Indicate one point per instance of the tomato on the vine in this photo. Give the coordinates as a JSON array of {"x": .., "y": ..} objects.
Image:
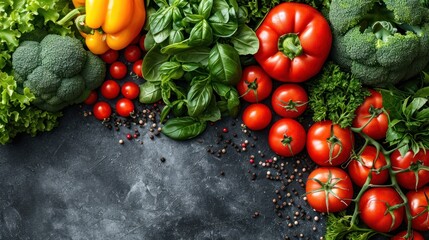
[
  {"x": 418, "y": 201},
  {"x": 92, "y": 98},
  {"x": 380, "y": 209},
  {"x": 124, "y": 107},
  {"x": 372, "y": 110},
  {"x": 256, "y": 116},
  {"x": 102, "y": 110},
  {"x": 137, "y": 67},
  {"x": 329, "y": 189},
  {"x": 286, "y": 137},
  {"x": 110, "y": 56},
  {"x": 130, "y": 90},
  {"x": 118, "y": 70},
  {"x": 132, "y": 53},
  {"x": 328, "y": 144},
  {"x": 414, "y": 236},
  {"x": 411, "y": 164},
  {"x": 110, "y": 89},
  {"x": 368, "y": 161},
  {"x": 255, "y": 85},
  {"x": 289, "y": 100}
]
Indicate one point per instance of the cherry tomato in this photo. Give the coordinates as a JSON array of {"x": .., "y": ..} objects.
[
  {"x": 141, "y": 42},
  {"x": 102, "y": 110},
  {"x": 376, "y": 207},
  {"x": 110, "y": 56},
  {"x": 414, "y": 236},
  {"x": 412, "y": 162},
  {"x": 372, "y": 106},
  {"x": 118, "y": 70},
  {"x": 289, "y": 100},
  {"x": 130, "y": 90},
  {"x": 257, "y": 116},
  {"x": 329, "y": 189},
  {"x": 360, "y": 168},
  {"x": 110, "y": 89},
  {"x": 255, "y": 85},
  {"x": 92, "y": 98},
  {"x": 124, "y": 107},
  {"x": 328, "y": 144},
  {"x": 136, "y": 39},
  {"x": 132, "y": 53},
  {"x": 287, "y": 137},
  {"x": 418, "y": 201},
  {"x": 137, "y": 67}
]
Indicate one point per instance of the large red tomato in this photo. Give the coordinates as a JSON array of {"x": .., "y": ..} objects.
[
  {"x": 256, "y": 116},
  {"x": 418, "y": 201},
  {"x": 286, "y": 137},
  {"x": 377, "y": 205},
  {"x": 372, "y": 106},
  {"x": 414, "y": 236},
  {"x": 328, "y": 144},
  {"x": 412, "y": 162},
  {"x": 329, "y": 189},
  {"x": 368, "y": 161},
  {"x": 255, "y": 84},
  {"x": 289, "y": 100}
]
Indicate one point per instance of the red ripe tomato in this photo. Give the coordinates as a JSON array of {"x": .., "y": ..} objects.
[
  {"x": 255, "y": 85},
  {"x": 286, "y": 137},
  {"x": 92, "y": 98},
  {"x": 256, "y": 116},
  {"x": 412, "y": 162},
  {"x": 124, "y": 107},
  {"x": 418, "y": 201},
  {"x": 132, "y": 53},
  {"x": 329, "y": 189},
  {"x": 118, "y": 70},
  {"x": 376, "y": 207},
  {"x": 110, "y": 56},
  {"x": 110, "y": 89},
  {"x": 414, "y": 236},
  {"x": 359, "y": 169},
  {"x": 289, "y": 100},
  {"x": 102, "y": 110},
  {"x": 141, "y": 43},
  {"x": 328, "y": 144},
  {"x": 130, "y": 90},
  {"x": 137, "y": 67},
  {"x": 372, "y": 106}
]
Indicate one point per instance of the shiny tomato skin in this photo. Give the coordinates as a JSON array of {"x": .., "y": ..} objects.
[
  {"x": 342, "y": 189},
  {"x": 359, "y": 169},
  {"x": 419, "y": 206},
  {"x": 137, "y": 68},
  {"x": 414, "y": 236},
  {"x": 92, "y": 98},
  {"x": 130, "y": 90},
  {"x": 102, "y": 110},
  {"x": 132, "y": 53},
  {"x": 141, "y": 42},
  {"x": 118, "y": 70},
  {"x": 256, "y": 116},
  {"x": 110, "y": 89},
  {"x": 373, "y": 207},
  {"x": 255, "y": 85},
  {"x": 319, "y": 143},
  {"x": 377, "y": 128},
  {"x": 124, "y": 107},
  {"x": 408, "y": 179},
  {"x": 110, "y": 56},
  {"x": 287, "y": 137},
  {"x": 289, "y": 100}
]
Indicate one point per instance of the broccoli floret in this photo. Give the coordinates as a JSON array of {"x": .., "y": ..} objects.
[
  {"x": 380, "y": 42},
  {"x": 58, "y": 71}
]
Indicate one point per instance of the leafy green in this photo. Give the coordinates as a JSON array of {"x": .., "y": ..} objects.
[
  {"x": 183, "y": 128},
  {"x": 339, "y": 227},
  {"x": 334, "y": 95}
]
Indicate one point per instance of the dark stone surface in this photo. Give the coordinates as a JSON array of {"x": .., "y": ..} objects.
[{"x": 77, "y": 182}]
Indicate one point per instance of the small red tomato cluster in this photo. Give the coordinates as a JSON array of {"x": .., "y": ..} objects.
[{"x": 118, "y": 86}]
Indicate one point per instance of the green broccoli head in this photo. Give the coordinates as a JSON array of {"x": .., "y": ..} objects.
[
  {"x": 58, "y": 71},
  {"x": 380, "y": 42}
]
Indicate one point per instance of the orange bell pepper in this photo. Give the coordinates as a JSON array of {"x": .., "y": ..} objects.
[
  {"x": 78, "y": 3},
  {"x": 111, "y": 15}
]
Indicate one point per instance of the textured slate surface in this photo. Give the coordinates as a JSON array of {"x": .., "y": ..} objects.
[{"x": 78, "y": 183}]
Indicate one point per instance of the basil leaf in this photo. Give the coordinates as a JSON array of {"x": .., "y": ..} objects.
[
  {"x": 195, "y": 55},
  {"x": 233, "y": 103},
  {"x": 222, "y": 25},
  {"x": 212, "y": 113},
  {"x": 205, "y": 8},
  {"x": 414, "y": 106},
  {"x": 172, "y": 70},
  {"x": 221, "y": 89},
  {"x": 179, "y": 108},
  {"x": 149, "y": 42},
  {"x": 183, "y": 128},
  {"x": 161, "y": 3},
  {"x": 194, "y": 18},
  {"x": 423, "y": 92},
  {"x": 161, "y": 20},
  {"x": 176, "y": 48},
  {"x": 201, "y": 34},
  {"x": 189, "y": 67},
  {"x": 176, "y": 36},
  {"x": 164, "y": 113},
  {"x": 245, "y": 41},
  {"x": 224, "y": 64},
  {"x": 199, "y": 97},
  {"x": 149, "y": 93},
  {"x": 151, "y": 63}
]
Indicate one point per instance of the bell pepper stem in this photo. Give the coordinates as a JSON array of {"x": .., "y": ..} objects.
[
  {"x": 290, "y": 45},
  {"x": 81, "y": 26},
  {"x": 72, "y": 14}
]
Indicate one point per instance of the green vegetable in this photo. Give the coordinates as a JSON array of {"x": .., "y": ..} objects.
[
  {"x": 380, "y": 42},
  {"x": 16, "y": 113},
  {"x": 340, "y": 227},
  {"x": 334, "y": 95},
  {"x": 194, "y": 62},
  {"x": 58, "y": 70}
]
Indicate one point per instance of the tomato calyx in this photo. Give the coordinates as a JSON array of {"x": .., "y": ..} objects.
[
  {"x": 426, "y": 207},
  {"x": 251, "y": 86},
  {"x": 286, "y": 141},
  {"x": 375, "y": 111},
  {"x": 290, "y": 45},
  {"x": 390, "y": 210},
  {"x": 332, "y": 142},
  {"x": 291, "y": 105}
]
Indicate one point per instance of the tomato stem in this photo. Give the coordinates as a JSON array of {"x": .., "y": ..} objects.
[{"x": 290, "y": 45}]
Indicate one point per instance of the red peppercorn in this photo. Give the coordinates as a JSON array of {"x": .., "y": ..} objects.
[
  {"x": 243, "y": 145},
  {"x": 252, "y": 161},
  {"x": 129, "y": 137},
  {"x": 225, "y": 130}
]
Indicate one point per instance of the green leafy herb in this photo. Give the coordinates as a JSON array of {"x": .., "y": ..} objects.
[
  {"x": 183, "y": 128},
  {"x": 339, "y": 227}
]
